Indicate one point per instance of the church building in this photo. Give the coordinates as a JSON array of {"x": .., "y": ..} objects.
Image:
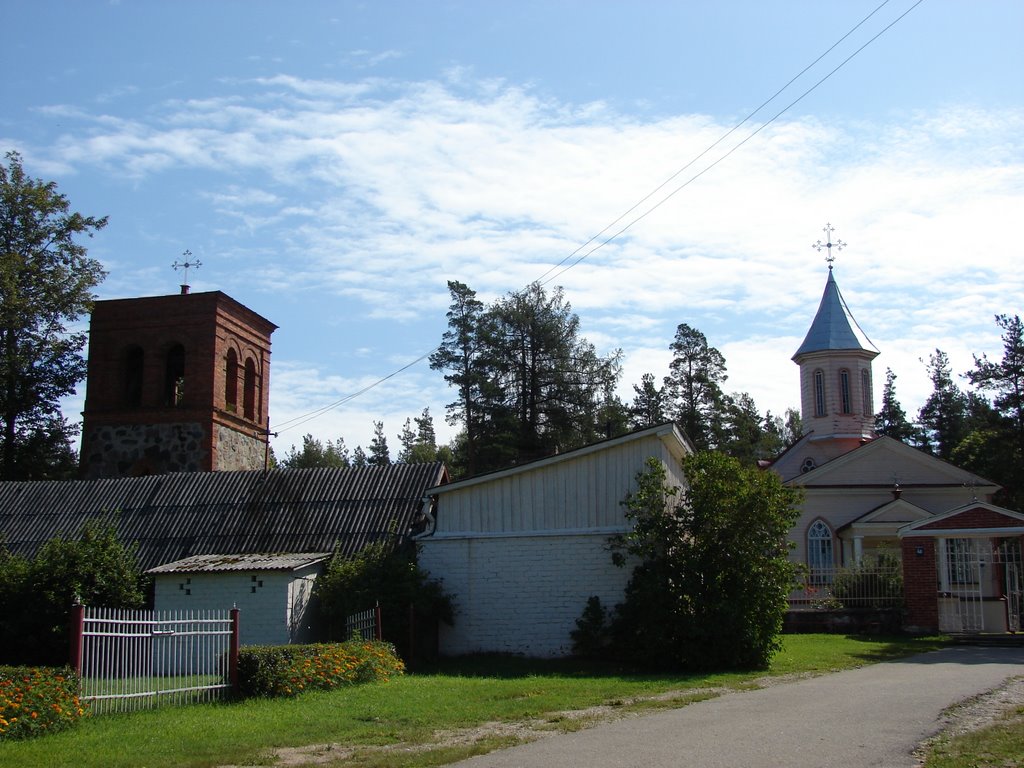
[{"x": 868, "y": 498}]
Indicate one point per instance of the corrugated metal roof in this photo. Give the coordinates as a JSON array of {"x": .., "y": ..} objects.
[
  {"x": 257, "y": 562},
  {"x": 171, "y": 517},
  {"x": 833, "y": 327}
]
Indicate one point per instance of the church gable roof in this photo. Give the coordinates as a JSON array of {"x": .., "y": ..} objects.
[
  {"x": 833, "y": 327},
  {"x": 885, "y": 462}
]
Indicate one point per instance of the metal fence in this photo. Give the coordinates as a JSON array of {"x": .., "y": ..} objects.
[
  {"x": 871, "y": 585},
  {"x": 135, "y": 659},
  {"x": 365, "y": 624}
]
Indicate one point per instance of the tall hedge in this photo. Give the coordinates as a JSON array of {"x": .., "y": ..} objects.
[{"x": 712, "y": 575}]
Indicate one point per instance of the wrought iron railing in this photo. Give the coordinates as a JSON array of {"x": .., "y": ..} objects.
[{"x": 874, "y": 584}]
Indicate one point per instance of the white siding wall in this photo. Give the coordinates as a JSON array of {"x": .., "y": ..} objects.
[
  {"x": 522, "y": 552},
  {"x": 581, "y": 493},
  {"x": 264, "y": 614},
  {"x": 521, "y": 594}
]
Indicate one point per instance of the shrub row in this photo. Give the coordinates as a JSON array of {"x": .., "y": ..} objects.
[
  {"x": 37, "y": 700},
  {"x": 288, "y": 670}
]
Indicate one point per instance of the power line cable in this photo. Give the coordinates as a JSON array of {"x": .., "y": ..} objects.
[
  {"x": 722, "y": 138},
  {"x": 306, "y": 418},
  {"x": 697, "y": 175}
]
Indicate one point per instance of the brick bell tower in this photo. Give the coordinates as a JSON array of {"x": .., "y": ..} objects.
[{"x": 175, "y": 384}]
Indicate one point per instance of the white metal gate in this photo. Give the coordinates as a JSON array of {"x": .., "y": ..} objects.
[
  {"x": 980, "y": 585},
  {"x": 133, "y": 659}
]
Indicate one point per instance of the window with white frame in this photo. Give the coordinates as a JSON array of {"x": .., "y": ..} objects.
[
  {"x": 819, "y": 393},
  {"x": 819, "y": 551}
]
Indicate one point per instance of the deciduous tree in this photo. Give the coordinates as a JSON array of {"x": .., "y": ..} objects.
[{"x": 46, "y": 282}]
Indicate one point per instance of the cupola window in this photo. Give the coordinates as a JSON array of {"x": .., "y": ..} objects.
[
  {"x": 844, "y": 391},
  {"x": 819, "y": 393}
]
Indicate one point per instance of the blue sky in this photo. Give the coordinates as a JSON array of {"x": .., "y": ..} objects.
[{"x": 333, "y": 164}]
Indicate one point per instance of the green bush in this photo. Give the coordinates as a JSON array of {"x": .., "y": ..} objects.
[
  {"x": 37, "y": 700},
  {"x": 288, "y": 670},
  {"x": 713, "y": 575},
  {"x": 381, "y": 574},
  {"x": 36, "y": 595},
  {"x": 592, "y": 636}
]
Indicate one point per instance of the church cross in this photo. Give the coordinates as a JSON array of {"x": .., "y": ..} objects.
[
  {"x": 829, "y": 245},
  {"x": 186, "y": 264}
]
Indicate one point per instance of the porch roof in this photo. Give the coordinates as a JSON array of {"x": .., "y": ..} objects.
[{"x": 977, "y": 518}]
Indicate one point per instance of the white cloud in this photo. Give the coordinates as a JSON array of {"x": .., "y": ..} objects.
[{"x": 378, "y": 191}]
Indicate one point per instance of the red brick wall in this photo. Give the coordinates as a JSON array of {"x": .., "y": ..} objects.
[
  {"x": 972, "y": 518},
  {"x": 920, "y": 584},
  {"x": 206, "y": 325}
]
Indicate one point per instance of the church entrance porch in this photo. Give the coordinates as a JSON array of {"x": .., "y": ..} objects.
[
  {"x": 980, "y": 586},
  {"x": 963, "y": 572}
]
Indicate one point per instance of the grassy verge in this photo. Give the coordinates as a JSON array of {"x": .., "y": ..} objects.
[
  {"x": 410, "y": 710},
  {"x": 999, "y": 745}
]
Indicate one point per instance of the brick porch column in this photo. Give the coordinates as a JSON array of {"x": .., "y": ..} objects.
[{"x": 920, "y": 585}]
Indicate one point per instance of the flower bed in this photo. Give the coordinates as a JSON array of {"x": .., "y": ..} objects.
[
  {"x": 37, "y": 700},
  {"x": 288, "y": 670}
]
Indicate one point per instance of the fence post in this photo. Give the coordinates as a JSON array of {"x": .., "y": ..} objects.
[
  {"x": 77, "y": 627},
  {"x": 233, "y": 652},
  {"x": 377, "y": 631}
]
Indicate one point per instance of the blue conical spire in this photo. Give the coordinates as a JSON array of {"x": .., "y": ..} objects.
[{"x": 834, "y": 327}]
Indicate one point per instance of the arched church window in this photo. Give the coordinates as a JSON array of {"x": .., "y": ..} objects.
[
  {"x": 231, "y": 381},
  {"x": 819, "y": 393},
  {"x": 844, "y": 391},
  {"x": 133, "y": 366},
  {"x": 249, "y": 390},
  {"x": 174, "y": 375},
  {"x": 865, "y": 392},
  {"x": 819, "y": 552}
]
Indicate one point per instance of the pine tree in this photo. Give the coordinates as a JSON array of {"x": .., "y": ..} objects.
[
  {"x": 462, "y": 355},
  {"x": 891, "y": 420},
  {"x": 694, "y": 383},
  {"x": 379, "y": 456},
  {"x": 407, "y": 441},
  {"x": 649, "y": 403},
  {"x": 943, "y": 416}
]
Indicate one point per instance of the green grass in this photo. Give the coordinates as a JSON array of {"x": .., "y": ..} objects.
[
  {"x": 411, "y": 709},
  {"x": 1000, "y": 745}
]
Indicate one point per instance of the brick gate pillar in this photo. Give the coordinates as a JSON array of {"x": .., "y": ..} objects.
[{"x": 920, "y": 585}]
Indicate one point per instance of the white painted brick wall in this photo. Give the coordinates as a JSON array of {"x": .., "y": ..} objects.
[
  {"x": 263, "y": 614},
  {"x": 521, "y": 594}
]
